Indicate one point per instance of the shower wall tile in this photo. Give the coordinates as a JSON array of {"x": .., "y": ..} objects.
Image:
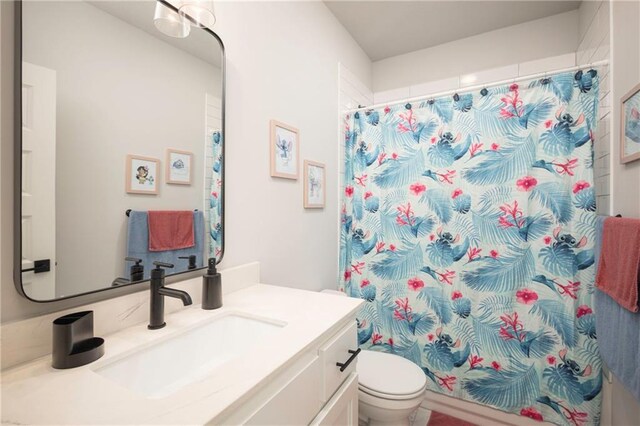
[
  {"x": 594, "y": 46},
  {"x": 488, "y": 76},
  {"x": 547, "y": 64},
  {"x": 392, "y": 95},
  {"x": 434, "y": 87}
]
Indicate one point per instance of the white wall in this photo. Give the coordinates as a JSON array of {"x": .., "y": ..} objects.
[
  {"x": 625, "y": 179},
  {"x": 625, "y": 42},
  {"x": 104, "y": 112},
  {"x": 542, "y": 38},
  {"x": 282, "y": 63}
]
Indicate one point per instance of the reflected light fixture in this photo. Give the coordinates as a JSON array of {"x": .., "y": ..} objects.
[
  {"x": 198, "y": 12},
  {"x": 170, "y": 23}
]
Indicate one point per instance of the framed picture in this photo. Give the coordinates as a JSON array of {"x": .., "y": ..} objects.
[
  {"x": 179, "y": 167},
  {"x": 630, "y": 126},
  {"x": 314, "y": 185},
  {"x": 142, "y": 175},
  {"x": 285, "y": 150}
]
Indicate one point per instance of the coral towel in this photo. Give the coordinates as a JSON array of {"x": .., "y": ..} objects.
[
  {"x": 170, "y": 230},
  {"x": 619, "y": 267}
]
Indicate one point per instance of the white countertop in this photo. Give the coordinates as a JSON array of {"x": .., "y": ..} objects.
[{"x": 36, "y": 393}]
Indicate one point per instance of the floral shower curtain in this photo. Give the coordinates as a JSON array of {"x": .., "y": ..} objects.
[
  {"x": 215, "y": 196},
  {"x": 468, "y": 225}
]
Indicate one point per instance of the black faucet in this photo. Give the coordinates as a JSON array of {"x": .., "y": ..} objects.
[{"x": 158, "y": 291}]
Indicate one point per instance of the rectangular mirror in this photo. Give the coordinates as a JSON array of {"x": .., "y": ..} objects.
[{"x": 121, "y": 149}]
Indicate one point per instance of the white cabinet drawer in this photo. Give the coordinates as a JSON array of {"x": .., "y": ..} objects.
[
  {"x": 296, "y": 403},
  {"x": 342, "y": 408},
  {"x": 336, "y": 350}
]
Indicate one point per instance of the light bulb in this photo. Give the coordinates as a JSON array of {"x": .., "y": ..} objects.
[
  {"x": 198, "y": 12},
  {"x": 170, "y": 23}
]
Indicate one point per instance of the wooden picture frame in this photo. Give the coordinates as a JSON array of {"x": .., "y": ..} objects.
[
  {"x": 315, "y": 188},
  {"x": 179, "y": 167},
  {"x": 284, "y": 150},
  {"x": 142, "y": 175},
  {"x": 630, "y": 126}
]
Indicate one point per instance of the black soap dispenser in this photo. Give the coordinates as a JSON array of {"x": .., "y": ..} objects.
[
  {"x": 137, "y": 270},
  {"x": 211, "y": 287},
  {"x": 192, "y": 261}
]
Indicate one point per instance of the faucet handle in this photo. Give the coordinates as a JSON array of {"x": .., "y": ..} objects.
[{"x": 163, "y": 264}]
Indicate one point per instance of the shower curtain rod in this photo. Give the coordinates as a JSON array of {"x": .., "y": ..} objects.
[{"x": 482, "y": 86}]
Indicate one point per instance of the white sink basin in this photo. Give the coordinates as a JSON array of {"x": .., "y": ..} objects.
[{"x": 170, "y": 364}]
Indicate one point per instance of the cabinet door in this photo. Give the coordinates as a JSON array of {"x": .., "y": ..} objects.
[
  {"x": 342, "y": 408},
  {"x": 295, "y": 403},
  {"x": 334, "y": 351}
]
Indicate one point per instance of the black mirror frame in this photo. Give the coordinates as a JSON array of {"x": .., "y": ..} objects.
[{"x": 17, "y": 163}]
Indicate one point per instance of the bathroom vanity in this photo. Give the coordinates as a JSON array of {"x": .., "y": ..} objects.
[{"x": 267, "y": 357}]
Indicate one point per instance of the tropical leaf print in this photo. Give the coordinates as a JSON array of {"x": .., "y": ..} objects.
[
  {"x": 503, "y": 164},
  {"x": 559, "y": 260},
  {"x": 555, "y": 315},
  {"x": 436, "y": 302},
  {"x": 439, "y": 202},
  {"x": 503, "y": 273},
  {"x": 560, "y": 85},
  {"x": 510, "y": 388},
  {"x": 555, "y": 197},
  {"x": 496, "y": 304},
  {"x": 488, "y": 229},
  {"x": 401, "y": 171},
  {"x": 399, "y": 264},
  {"x": 562, "y": 382},
  {"x": 487, "y": 333},
  {"x": 467, "y": 226}
]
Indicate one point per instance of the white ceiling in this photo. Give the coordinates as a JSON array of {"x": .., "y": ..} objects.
[
  {"x": 388, "y": 28},
  {"x": 140, "y": 14}
]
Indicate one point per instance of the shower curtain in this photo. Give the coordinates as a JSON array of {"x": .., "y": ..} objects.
[
  {"x": 468, "y": 227},
  {"x": 215, "y": 196}
]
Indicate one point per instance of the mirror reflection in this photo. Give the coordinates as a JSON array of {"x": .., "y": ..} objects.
[{"x": 121, "y": 145}]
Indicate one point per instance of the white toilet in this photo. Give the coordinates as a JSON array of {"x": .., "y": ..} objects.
[{"x": 391, "y": 388}]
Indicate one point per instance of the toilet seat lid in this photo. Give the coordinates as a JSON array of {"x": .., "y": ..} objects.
[{"x": 389, "y": 374}]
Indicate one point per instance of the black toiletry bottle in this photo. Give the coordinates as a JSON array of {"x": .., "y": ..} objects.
[
  {"x": 137, "y": 270},
  {"x": 211, "y": 287}
]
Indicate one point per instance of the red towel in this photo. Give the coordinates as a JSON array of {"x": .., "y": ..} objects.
[
  {"x": 170, "y": 230},
  {"x": 619, "y": 267}
]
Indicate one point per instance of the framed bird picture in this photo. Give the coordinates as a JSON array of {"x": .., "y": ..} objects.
[
  {"x": 630, "y": 126},
  {"x": 285, "y": 150},
  {"x": 179, "y": 167},
  {"x": 314, "y": 185}
]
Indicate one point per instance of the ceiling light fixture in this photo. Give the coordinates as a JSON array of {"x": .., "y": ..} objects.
[
  {"x": 198, "y": 12},
  {"x": 170, "y": 23}
]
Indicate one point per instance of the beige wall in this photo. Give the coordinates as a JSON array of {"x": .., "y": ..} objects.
[
  {"x": 282, "y": 62},
  {"x": 542, "y": 38}
]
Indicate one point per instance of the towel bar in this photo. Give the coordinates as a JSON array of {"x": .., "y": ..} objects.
[{"x": 128, "y": 211}]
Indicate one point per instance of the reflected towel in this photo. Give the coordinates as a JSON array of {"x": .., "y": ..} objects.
[
  {"x": 170, "y": 230},
  {"x": 619, "y": 264},
  {"x": 618, "y": 333},
  {"x": 138, "y": 245}
]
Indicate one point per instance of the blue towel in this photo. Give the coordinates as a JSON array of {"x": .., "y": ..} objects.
[
  {"x": 138, "y": 245},
  {"x": 618, "y": 333}
]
